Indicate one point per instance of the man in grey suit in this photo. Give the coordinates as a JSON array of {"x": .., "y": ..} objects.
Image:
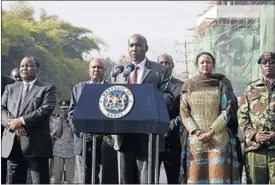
[
  {"x": 15, "y": 75},
  {"x": 133, "y": 148},
  {"x": 96, "y": 73},
  {"x": 63, "y": 146},
  {"x": 26, "y": 109},
  {"x": 4, "y": 81}
]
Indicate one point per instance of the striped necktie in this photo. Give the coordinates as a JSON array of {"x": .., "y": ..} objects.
[{"x": 23, "y": 97}]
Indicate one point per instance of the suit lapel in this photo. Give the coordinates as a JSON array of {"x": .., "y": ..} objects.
[
  {"x": 33, "y": 91},
  {"x": 128, "y": 79},
  {"x": 174, "y": 85},
  {"x": 146, "y": 71},
  {"x": 17, "y": 96}
]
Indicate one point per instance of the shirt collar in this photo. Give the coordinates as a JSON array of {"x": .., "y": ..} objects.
[
  {"x": 92, "y": 82},
  {"x": 141, "y": 65},
  {"x": 31, "y": 83}
]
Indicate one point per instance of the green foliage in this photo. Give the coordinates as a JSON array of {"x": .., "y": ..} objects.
[
  {"x": 57, "y": 44},
  {"x": 124, "y": 59}
]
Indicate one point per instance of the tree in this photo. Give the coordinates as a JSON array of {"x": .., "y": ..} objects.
[
  {"x": 124, "y": 59},
  {"x": 108, "y": 66},
  {"x": 58, "y": 45}
]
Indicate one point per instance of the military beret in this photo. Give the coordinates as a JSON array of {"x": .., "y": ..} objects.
[
  {"x": 266, "y": 56},
  {"x": 64, "y": 104}
]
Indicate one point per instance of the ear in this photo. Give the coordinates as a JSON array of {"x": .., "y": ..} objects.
[{"x": 146, "y": 48}]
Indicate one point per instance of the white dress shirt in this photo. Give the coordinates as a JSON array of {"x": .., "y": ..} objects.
[
  {"x": 92, "y": 82},
  {"x": 140, "y": 71}
]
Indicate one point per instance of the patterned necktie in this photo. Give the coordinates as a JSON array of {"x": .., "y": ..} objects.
[
  {"x": 23, "y": 97},
  {"x": 135, "y": 76}
]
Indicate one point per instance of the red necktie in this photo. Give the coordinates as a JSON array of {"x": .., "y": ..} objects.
[
  {"x": 23, "y": 97},
  {"x": 133, "y": 79}
]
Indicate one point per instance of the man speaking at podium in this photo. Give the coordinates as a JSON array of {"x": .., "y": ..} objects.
[{"x": 133, "y": 148}]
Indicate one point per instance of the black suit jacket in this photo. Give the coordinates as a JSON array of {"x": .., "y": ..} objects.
[
  {"x": 176, "y": 127},
  {"x": 75, "y": 95},
  {"x": 36, "y": 112},
  {"x": 156, "y": 74}
]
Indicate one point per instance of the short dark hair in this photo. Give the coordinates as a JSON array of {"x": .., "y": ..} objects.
[
  {"x": 141, "y": 37},
  {"x": 35, "y": 60},
  {"x": 205, "y": 53}
]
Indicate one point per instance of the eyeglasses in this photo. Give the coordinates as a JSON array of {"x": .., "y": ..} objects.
[{"x": 271, "y": 62}]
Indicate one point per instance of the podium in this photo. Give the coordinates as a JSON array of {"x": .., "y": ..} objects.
[{"x": 122, "y": 109}]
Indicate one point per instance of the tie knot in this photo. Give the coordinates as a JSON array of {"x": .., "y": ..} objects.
[
  {"x": 136, "y": 67},
  {"x": 26, "y": 85}
]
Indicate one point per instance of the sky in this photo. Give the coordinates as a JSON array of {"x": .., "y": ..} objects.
[{"x": 161, "y": 22}]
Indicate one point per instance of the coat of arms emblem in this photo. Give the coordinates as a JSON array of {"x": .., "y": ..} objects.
[{"x": 116, "y": 101}]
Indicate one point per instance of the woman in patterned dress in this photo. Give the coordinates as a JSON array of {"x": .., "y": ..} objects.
[{"x": 210, "y": 152}]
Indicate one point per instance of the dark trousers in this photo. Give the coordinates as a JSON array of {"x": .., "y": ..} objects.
[
  {"x": 29, "y": 177},
  {"x": 88, "y": 172},
  {"x": 134, "y": 159},
  {"x": 58, "y": 164},
  {"x": 171, "y": 161},
  {"x": 18, "y": 166},
  {"x": 3, "y": 170},
  {"x": 109, "y": 164}
]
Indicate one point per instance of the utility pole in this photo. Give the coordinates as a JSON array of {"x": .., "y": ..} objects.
[
  {"x": 186, "y": 61},
  {"x": 186, "y": 44}
]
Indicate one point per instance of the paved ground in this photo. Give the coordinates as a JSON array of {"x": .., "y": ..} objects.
[{"x": 162, "y": 179}]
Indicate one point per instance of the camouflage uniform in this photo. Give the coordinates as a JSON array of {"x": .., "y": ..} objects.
[{"x": 257, "y": 114}]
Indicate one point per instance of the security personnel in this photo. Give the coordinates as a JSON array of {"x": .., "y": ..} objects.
[
  {"x": 63, "y": 146},
  {"x": 256, "y": 117},
  {"x": 171, "y": 156},
  {"x": 15, "y": 75}
]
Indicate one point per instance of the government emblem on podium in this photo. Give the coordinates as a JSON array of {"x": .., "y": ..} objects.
[{"x": 116, "y": 101}]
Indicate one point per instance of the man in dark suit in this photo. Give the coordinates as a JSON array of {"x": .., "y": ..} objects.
[
  {"x": 26, "y": 108},
  {"x": 109, "y": 161},
  {"x": 63, "y": 145},
  {"x": 133, "y": 148},
  {"x": 171, "y": 155},
  {"x": 4, "y": 81},
  {"x": 96, "y": 73}
]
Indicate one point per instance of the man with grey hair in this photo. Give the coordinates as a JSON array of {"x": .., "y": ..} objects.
[
  {"x": 171, "y": 155},
  {"x": 96, "y": 73}
]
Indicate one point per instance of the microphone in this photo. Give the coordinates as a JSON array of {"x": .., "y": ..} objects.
[
  {"x": 128, "y": 70},
  {"x": 119, "y": 69}
]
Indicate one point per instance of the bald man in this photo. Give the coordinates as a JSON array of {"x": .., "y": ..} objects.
[
  {"x": 133, "y": 148},
  {"x": 15, "y": 75},
  {"x": 96, "y": 73}
]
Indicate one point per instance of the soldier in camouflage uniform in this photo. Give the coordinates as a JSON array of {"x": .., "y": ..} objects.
[{"x": 257, "y": 121}]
